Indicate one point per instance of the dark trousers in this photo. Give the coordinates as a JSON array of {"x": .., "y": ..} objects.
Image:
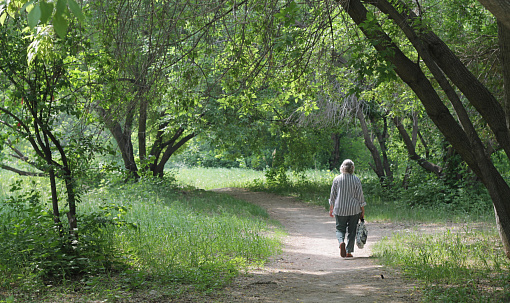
[{"x": 347, "y": 224}]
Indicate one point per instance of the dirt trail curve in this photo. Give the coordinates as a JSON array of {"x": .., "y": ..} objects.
[{"x": 310, "y": 269}]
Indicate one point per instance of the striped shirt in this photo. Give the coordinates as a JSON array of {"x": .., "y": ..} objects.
[{"x": 346, "y": 195}]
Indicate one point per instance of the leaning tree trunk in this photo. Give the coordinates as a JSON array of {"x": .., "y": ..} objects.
[
  {"x": 381, "y": 138},
  {"x": 463, "y": 138},
  {"x": 411, "y": 150},
  {"x": 504, "y": 51},
  {"x": 123, "y": 138},
  {"x": 171, "y": 147},
  {"x": 378, "y": 166},
  {"x": 126, "y": 149}
]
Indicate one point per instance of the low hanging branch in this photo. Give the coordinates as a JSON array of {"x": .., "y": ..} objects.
[{"x": 22, "y": 172}]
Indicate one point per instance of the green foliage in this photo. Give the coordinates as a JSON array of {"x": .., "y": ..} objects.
[
  {"x": 455, "y": 192},
  {"x": 201, "y": 154},
  {"x": 311, "y": 186},
  {"x": 426, "y": 199},
  {"x": 277, "y": 176},
  {"x": 182, "y": 236},
  {"x": 466, "y": 265},
  {"x": 41, "y": 12},
  {"x": 34, "y": 248}
]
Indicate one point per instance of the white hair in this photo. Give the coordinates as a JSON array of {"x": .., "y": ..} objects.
[{"x": 347, "y": 167}]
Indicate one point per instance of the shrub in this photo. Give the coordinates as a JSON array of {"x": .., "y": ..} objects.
[{"x": 33, "y": 246}]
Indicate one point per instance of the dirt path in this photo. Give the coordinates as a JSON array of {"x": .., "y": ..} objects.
[{"x": 310, "y": 268}]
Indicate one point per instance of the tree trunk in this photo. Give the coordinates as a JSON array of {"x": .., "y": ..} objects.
[
  {"x": 123, "y": 139},
  {"x": 407, "y": 174},
  {"x": 381, "y": 138},
  {"x": 126, "y": 149},
  {"x": 142, "y": 133},
  {"x": 429, "y": 44},
  {"x": 504, "y": 51},
  {"x": 334, "y": 161},
  {"x": 411, "y": 150},
  {"x": 424, "y": 143},
  {"x": 71, "y": 200},
  {"x": 378, "y": 166},
  {"x": 54, "y": 201},
  {"x": 68, "y": 180},
  {"x": 500, "y": 9},
  {"x": 171, "y": 148}
]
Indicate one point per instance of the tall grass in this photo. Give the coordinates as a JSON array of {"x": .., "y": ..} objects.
[
  {"x": 384, "y": 204},
  {"x": 455, "y": 266},
  {"x": 196, "y": 237},
  {"x": 155, "y": 232},
  {"x": 159, "y": 232}
]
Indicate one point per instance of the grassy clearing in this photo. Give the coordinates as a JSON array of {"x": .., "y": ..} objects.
[
  {"x": 211, "y": 178},
  {"x": 195, "y": 237},
  {"x": 158, "y": 240}
]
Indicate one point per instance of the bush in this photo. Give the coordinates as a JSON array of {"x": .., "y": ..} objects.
[{"x": 33, "y": 246}]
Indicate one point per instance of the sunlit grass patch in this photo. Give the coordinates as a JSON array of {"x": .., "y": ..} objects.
[
  {"x": 191, "y": 236},
  {"x": 211, "y": 178},
  {"x": 462, "y": 266}
]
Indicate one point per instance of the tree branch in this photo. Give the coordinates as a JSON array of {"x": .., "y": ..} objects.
[{"x": 21, "y": 172}]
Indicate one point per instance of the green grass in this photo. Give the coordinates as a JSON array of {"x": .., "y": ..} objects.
[
  {"x": 466, "y": 265},
  {"x": 390, "y": 205},
  {"x": 211, "y": 178},
  {"x": 196, "y": 237},
  {"x": 188, "y": 240},
  {"x": 159, "y": 237}
]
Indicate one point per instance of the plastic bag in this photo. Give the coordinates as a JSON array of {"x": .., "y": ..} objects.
[{"x": 361, "y": 234}]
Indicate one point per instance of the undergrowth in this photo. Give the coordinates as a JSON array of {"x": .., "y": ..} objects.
[
  {"x": 190, "y": 236},
  {"x": 454, "y": 266},
  {"x": 133, "y": 238},
  {"x": 457, "y": 266}
]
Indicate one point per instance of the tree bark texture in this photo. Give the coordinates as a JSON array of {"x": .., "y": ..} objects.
[
  {"x": 428, "y": 43},
  {"x": 504, "y": 52},
  {"x": 123, "y": 138},
  {"x": 500, "y": 9},
  {"x": 381, "y": 138},
  {"x": 126, "y": 148},
  {"x": 171, "y": 147}
]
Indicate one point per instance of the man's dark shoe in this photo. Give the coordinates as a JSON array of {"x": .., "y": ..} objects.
[{"x": 343, "y": 252}]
